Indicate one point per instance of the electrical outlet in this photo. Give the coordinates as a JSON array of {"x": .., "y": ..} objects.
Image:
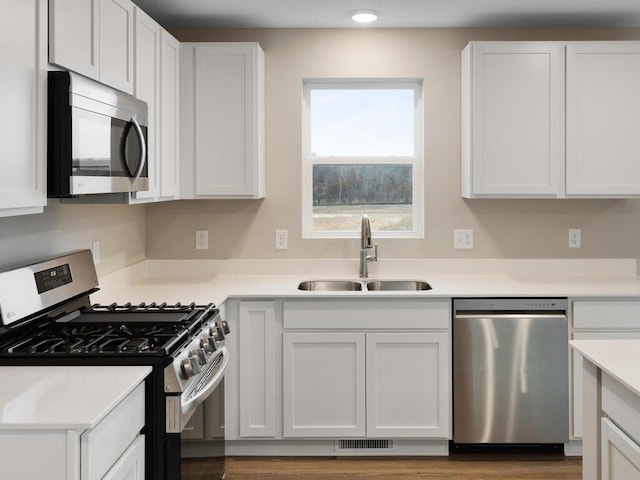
[
  {"x": 95, "y": 252},
  {"x": 281, "y": 239},
  {"x": 202, "y": 239},
  {"x": 574, "y": 237},
  {"x": 463, "y": 238}
]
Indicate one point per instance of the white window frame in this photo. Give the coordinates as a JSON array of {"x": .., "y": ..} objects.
[{"x": 416, "y": 160}]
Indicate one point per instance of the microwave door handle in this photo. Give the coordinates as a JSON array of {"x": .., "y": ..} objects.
[{"x": 143, "y": 148}]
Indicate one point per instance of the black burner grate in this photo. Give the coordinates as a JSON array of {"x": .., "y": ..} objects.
[{"x": 143, "y": 329}]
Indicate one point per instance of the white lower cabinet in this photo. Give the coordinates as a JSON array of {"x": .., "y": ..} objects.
[
  {"x": 378, "y": 385},
  {"x": 598, "y": 319},
  {"x": 257, "y": 332},
  {"x": 130, "y": 466},
  {"x": 306, "y": 373},
  {"x": 620, "y": 453},
  {"x": 113, "y": 450},
  {"x": 376, "y": 382},
  {"x": 324, "y": 384},
  {"x": 407, "y": 384}
]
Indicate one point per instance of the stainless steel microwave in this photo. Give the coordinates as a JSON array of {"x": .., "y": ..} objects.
[{"x": 97, "y": 138}]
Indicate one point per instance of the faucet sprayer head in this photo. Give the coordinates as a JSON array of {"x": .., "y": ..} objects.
[{"x": 365, "y": 233}]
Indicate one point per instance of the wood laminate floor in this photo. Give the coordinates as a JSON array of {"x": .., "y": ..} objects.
[{"x": 454, "y": 467}]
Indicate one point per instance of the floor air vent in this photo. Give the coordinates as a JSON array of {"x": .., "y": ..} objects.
[{"x": 363, "y": 445}]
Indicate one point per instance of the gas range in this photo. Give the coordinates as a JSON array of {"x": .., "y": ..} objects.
[{"x": 47, "y": 319}]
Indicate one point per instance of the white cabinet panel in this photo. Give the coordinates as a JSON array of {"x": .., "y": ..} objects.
[
  {"x": 147, "y": 88},
  {"x": 169, "y": 111},
  {"x": 115, "y": 44},
  {"x": 512, "y": 119},
  {"x": 257, "y": 369},
  {"x": 130, "y": 466},
  {"x": 55, "y": 460},
  {"x": 603, "y": 112},
  {"x": 73, "y": 30},
  {"x": 550, "y": 119},
  {"x": 94, "y": 38},
  {"x": 222, "y": 102},
  {"x": 620, "y": 454},
  {"x": 324, "y": 384},
  {"x": 22, "y": 95},
  {"x": 407, "y": 385}
]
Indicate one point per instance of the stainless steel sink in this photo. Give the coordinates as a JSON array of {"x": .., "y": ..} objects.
[
  {"x": 398, "y": 285},
  {"x": 330, "y": 286}
]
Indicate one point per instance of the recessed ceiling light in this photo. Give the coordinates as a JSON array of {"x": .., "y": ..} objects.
[{"x": 364, "y": 16}]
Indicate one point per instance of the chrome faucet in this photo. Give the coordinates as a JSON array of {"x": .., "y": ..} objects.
[{"x": 366, "y": 243}]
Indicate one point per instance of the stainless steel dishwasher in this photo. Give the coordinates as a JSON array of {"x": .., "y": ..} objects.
[{"x": 510, "y": 374}]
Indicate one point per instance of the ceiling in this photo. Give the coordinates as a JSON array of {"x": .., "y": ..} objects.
[{"x": 394, "y": 13}]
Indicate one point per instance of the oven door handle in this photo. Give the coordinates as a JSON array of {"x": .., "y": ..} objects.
[{"x": 191, "y": 403}]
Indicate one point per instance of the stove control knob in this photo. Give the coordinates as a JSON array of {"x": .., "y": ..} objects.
[
  {"x": 208, "y": 345},
  {"x": 201, "y": 356},
  {"x": 190, "y": 367},
  {"x": 224, "y": 325},
  {"x": 219, "y": 334}
]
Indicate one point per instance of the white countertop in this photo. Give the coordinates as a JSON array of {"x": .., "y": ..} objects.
[
  {"x": 618, "y": 358},
  {"x": 63, "y": 398},
  {"x": 210, "y": 281}
]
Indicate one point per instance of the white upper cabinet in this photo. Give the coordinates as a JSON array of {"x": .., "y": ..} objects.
[
  {"x": 147, "y": 88},
  {"x": 512, "y": 119},
  {"x": 116, "y": 44},
  {"x": 73, "y": 26},
  {"x": 22, "y": 95},
  {"x": 169, "y": 111},
  {"x": 222, "y": 120},
  {"x": 94, "y": 38},
  {"x": 603, "y": 119},
  {"x": 529, "y": 130}
]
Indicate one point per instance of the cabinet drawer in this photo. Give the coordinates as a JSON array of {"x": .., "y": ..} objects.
[
  {"x": 621, "y": 406},
  {"x": 606, "y": 314},
  {"x": 103, "y": 445},
  {"x": 353, "y": 314}
]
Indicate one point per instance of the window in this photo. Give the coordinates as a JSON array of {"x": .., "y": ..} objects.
[{"x": 362, "y": 153}]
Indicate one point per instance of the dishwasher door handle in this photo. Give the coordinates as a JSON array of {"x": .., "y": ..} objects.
[{"x": 474, "y": 316}]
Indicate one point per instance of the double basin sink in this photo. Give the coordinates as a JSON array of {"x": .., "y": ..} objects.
[{"x": 371, "y": 286}]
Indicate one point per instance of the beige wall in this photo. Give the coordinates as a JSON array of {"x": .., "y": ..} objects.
[
  {"x": 503, "y": 228},
  {"x": 63, "y": 227}
]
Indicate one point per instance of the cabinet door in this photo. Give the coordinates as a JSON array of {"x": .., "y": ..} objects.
[
  {"x": 620, "y": 454},
  {"x": 513, "y": 118},
  {"x": 130, "y": 466},
  {"x": 324, "y": 384},
  {"x": 603, "y": 111},
  {"x": 22, "y": 83},
  {"x": 147, "y": 88},
  {"x": 170, "y": 50},
  {"x": 115, "y": 44},
  {"x": 257, "y": 369},
  {"x": 408, "y": 385},
  {"x": 73, "y": 31},
  {"x": 229, "y": 123}
]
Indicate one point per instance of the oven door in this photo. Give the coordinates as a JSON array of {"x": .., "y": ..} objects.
[{"x": 180, "y": 408}]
